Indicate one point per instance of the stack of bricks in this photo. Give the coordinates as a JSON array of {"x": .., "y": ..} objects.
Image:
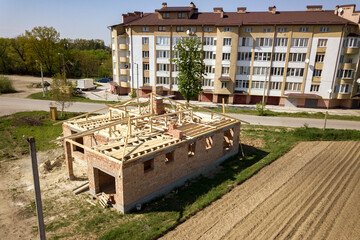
[
  {"x": 176, "y": 133},
  {"x": 158, "y": 106}
]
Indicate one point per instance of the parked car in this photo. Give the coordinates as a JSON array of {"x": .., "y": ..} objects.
[{"x": 103, "y": 80}]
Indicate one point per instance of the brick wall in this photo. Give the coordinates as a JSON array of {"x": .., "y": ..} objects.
[{"x": 139, "y": 184}]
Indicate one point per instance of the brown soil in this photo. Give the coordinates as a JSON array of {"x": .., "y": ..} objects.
[
  {"x": 312, "y": 193},
  {"x": 22, "y": 85},
  {"x": 17, "y": 209}
]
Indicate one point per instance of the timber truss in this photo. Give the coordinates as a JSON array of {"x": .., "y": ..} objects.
[{"x": 135, "y": 130}]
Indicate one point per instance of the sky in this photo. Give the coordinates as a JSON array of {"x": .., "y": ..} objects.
[{"x": 89, "y": 19}]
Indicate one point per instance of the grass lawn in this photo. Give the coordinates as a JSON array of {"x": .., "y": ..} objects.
[
  {"x": 269, "y": 113},
  {"x": 262, "y": 145},
  {"x": 74, "y": 98}
]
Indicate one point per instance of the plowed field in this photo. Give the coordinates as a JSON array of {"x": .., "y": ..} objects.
[{"x": 312, "y": 192}]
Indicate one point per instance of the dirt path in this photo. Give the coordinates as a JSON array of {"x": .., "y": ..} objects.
[{"x": 310, "y": 193}]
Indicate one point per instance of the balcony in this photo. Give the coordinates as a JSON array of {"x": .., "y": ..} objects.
[
  {"x": 343, "y": 95},
  {"x": 346, "y": 80},
  {"x": 124, "y": 59},
  {"x": 352, "y": 50},
  {"x": 123, "y": 46},
  {"x": 125, "y": 72},
  {"x": 125, "y": 84},
  {"x": 348, "y": 66}
]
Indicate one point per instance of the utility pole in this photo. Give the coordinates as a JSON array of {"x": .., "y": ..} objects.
[
  {"x": 63, "y": 60},
  {"x": 31, "y": 141},
  {"x": 137, "y": 80},
  {"x": 326, "y": 113},
  {"x": 42, "y": 78}
]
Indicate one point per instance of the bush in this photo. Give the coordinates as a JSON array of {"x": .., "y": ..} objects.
[
  {"x": 6, "y": 85},
  {"x": 133, "y": 93},
  {"x": 260, "y": 106}
]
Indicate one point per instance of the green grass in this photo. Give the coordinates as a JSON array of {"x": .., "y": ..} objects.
[
  {"x": 269, "y": 113},
  {"x": 74, "y": 98},
  {"x": 36, "y": 124}
]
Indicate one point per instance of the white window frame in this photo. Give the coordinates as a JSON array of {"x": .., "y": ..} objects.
[
  {"x": 248, "y": 30},
  {"x": 324, "y": 29},
  {"x": 145, "y": 54},
  {"x": 146, "y": 80},
  {"x": 225, "y": 70},
  {"x": 227, "y": 41},
  {"x": 281, "y": 42},
  {"x": 279, "y": 57},
  {"x": 319, "y": 57},
  {"x": 299, "y": 42},
  {"x": 244, "y": 84},
  {"x": 227, "y": 29},
  {"x": 226, "y": 56},
  {"x": 317, "y": 72},
  {"x": 208, "y": 29},
  {"x": 146, "y": 66},
  {"x": 304, "y": 29},
  {"x": 314, "y": 88},
  {"x": 243, "y": 70},
  {"x": 295, "y": 72},
  {"x": 164, "y": 41},
  {"x": 244, "y": 56},
  {"x": 266, "y": 30},
  {"x": 282, "y": 29},
  {"x": 209, "y": 41},
  {"x": 145, "y": 29},
  {"x": 322, "y": 42},
  {"x": 145, "y": 40}
]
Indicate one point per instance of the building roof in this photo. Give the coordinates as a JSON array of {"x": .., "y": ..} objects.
[{"x": 248, "y": 18}]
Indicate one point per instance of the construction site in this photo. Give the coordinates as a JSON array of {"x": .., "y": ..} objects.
[{"x": 139, "y": 150}]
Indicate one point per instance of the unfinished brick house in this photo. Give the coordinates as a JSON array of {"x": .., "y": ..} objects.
[{"x": 140, "y": 150}]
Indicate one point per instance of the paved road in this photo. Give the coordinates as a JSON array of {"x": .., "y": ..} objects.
[{"x": 12, "y": 105}]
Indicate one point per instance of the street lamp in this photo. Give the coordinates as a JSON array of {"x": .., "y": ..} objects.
[
  {"x": 326, "y": 113},
  {"x": 42, "y": 78},
  {"x": 63, "y": 62}
]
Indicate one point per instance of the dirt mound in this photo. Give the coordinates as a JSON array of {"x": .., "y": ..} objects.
[{"x": 312, "y": 192}]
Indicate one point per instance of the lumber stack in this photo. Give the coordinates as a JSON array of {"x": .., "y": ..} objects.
[{"x": 104, "y": 200}]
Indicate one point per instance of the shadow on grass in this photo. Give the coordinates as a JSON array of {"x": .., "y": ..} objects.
[{"x": 198, "y": 193}]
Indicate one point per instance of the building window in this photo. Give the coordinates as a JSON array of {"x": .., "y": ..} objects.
[
  {"x": 281, "y": 30},
  {"x": 174, "y": 81},
  {"x": 281, "y": 42},
  {"x": 244, "y": 56},
  {"x": 343, "y": 88},
  {"x": 223, "y": 85},
  {"x": 246, "y": 42},
  {"x": 242, "y": 83},
  {"x": 166, "y": 15},
  {"x": 228, "y": 139},
  {"x": 145, "y": 54},
  {"x": 145, "y": 40},
  {"x": 226, "y": 56},
  {"x": 260, "y": 70},
  {"x": 295, "y": 72},
  {"x": 207, "y": 82},
  {"x": 319, "y": 58},
  {"x": 162, "y": 40},
  {"x": 299, "y": 42},
  {"x": 148, "y": 165},
  {"x": 257, "y": 84},
  {"x": 162, "y": 28},
  {"x": 317, "y": 72},
  {"x": 146, "y": 80},
  {"x": 264, "y": 42},
  {"x": 297, "y": 57},
  {"x": 192, "y": 29},
  {"x": 191, "y": 149},
  {"x": 262, "y": 56},
  {"x": 179, "y": 28},
  {"x": 209, "y": 69},
  {"x": 243, "y": 70},
  {"x": 275, "y": 85},
  {"x": 162, "y": 80},
  {"x": 146, "y": 66},
  {"x": 225, "y": 71},
  {"x": 162, "y": 53},
  {"x": 227, "y": 29},
  {"x": 277, "y": 71},
  {"x": 209, "y": 55},
  {"x": 209, "y": 41},
  {"x": 208, "y": 29},
  {"x": 174, "y": 68},
  {"x": 346, "y": 73},
  {"x": 267, "y": 30},
  {"x": 279, "y": 57},
  {"x": 322, "y": 42},
  {"x": 304, "y": 29},
  {"x": 163, "y": 67},
  {"x": 351, "y": 43},
  {"x": 248, "y": 30},
  {"x": 291, "y": 86},
  {"x": 324, "y": 29},
  {"x": 227, "y": 42},
  {"x": 169, "y": 157},
  {"x": 145, "y": 29},
  {"x": 181, "y": 15},
  {"x": 314, "y": 88}
]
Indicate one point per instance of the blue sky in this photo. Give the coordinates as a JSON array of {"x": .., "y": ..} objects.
[{"x": 89, "y": 19}]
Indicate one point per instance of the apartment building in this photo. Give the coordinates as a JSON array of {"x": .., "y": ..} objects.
[{"x": 294, "y": 58}]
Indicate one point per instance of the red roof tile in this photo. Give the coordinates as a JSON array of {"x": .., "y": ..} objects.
[{"x": 249, "y": 18}]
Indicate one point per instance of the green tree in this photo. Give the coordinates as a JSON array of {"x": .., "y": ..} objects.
[
  {"x": 191, "y": 67},
  {"x": 61, "y": 91},
  {"x": 44, "y": 45}
]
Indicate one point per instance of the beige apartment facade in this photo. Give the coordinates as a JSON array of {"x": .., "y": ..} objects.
[{"x": 293, "y": 58}]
